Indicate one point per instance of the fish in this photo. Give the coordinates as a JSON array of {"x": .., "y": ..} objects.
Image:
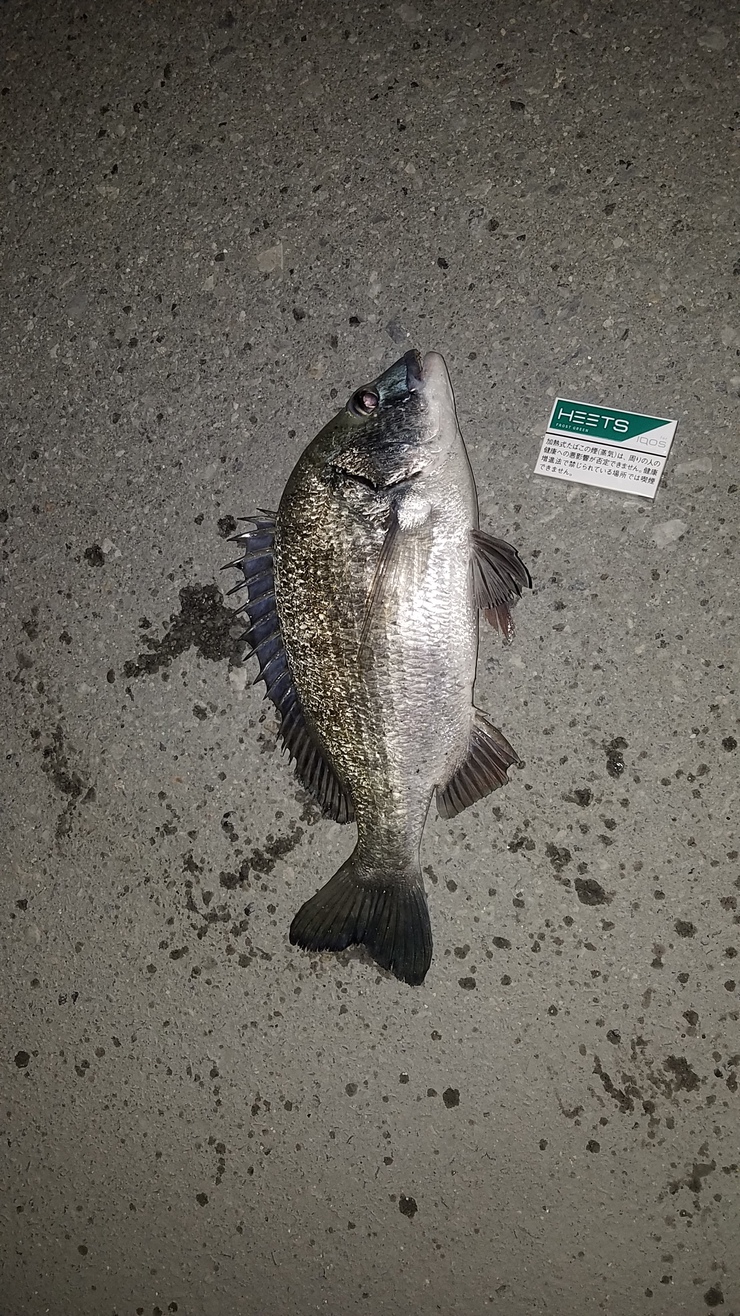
[{"x": 363, "y": 594}]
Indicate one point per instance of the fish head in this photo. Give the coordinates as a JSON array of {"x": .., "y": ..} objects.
[{"x": 394, "y": 429}]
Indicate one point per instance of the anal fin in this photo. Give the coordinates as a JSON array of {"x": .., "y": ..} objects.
[{"x": 483, "y": 770}]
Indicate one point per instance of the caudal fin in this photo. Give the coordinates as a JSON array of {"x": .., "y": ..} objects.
[{"x": 391, "y": 920}]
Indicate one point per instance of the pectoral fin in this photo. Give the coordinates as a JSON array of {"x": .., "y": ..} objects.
[
  {"x": 482, "y": 771},
  {"x": 383, "y": 566},
  {"x": 403, "y": 555},
  {"x": 499, "y": 576}
]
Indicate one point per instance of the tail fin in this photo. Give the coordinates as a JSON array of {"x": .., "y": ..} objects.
[{"x": 391, "y": 919}]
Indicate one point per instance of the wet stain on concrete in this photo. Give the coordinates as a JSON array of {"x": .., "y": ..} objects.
[
  {"x": 559, "y": 856},
  {"x": 685, "y": 1079},
  {"x": 623, "y": 1097},
  {"x": 31, "y": 624},
  {"x": 615, "y": 757},
  {"x": 275, "y": 847},
  {"x": 202, "y": 902},
  {"x": 591, "y": 892},
  {"x": 24, "y": 664},
  {"x": 211, "y": 914},
  {"x": 570, "y": 1112},
  {"x": 639, "y": 1092},
  {"x": 262, "y": 859},
  {"x": 204, "y": 622},
  {"x": 714, "y": 1296},
  {"x": 56, "y": 766},
  {"x": 94, "y": 556},
  {"x": 227, "y": 526},
  {"x": 684, "y": 928},
  {"x": 581, "y": 797},
  {"x": 699, "y": 1171},
  {"x": 230, "y": 881},
  {"x": 66, "y": 779},
  {"x": 520, "y": 841}
]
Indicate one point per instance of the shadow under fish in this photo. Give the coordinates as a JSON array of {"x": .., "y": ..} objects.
[{"x": 362, "y": 597}]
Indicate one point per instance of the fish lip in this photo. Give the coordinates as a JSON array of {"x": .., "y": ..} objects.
[
  {"x": 427, "y": 373},
  {"x": 414, "y": 370}
]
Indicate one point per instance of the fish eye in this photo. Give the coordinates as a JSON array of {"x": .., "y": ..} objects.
[{"x": 364, "y": 402}]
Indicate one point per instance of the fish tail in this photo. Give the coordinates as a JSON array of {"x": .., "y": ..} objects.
[{"x": 389, "y": 918}]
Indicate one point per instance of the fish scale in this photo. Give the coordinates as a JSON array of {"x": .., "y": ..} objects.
[{"x": 362, "y": 597}]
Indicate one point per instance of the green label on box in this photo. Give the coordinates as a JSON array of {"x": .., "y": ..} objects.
[{"x": 586, "y": 419}]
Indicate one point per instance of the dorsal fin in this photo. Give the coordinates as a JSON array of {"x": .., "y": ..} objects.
[
  {"x": 483, "y": 769},
  {"x": 264, "y": 635},
  {"x": 499, "y": 576}
]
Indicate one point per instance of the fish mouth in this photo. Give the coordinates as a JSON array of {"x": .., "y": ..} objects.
[
  {"x": 414, "y": 370},
  {"x": 429, "y": 378},
  {"x": 425, "y": 372}
]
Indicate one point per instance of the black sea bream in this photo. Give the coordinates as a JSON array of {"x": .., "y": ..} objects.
[{"x": 363, "y": 594}]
